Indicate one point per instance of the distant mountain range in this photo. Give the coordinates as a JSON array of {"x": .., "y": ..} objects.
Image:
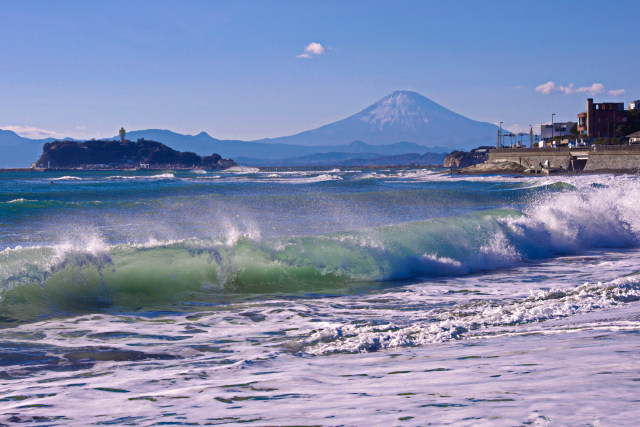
[{"x": 400, "y": 123}]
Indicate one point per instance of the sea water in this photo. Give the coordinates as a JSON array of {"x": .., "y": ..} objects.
[{"x": 325, "y": 297}]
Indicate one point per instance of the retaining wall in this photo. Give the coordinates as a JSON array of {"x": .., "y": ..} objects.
[
  {"x": 558, "y": 158},
  {"x": 613, "y": 160}
]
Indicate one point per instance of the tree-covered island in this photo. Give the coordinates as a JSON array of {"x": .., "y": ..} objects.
[{"x": 123, "y": 154}]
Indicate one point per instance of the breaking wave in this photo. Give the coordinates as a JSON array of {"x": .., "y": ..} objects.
[{"x": 93, "y": 274}]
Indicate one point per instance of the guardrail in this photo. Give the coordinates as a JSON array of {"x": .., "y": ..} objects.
[
  {"x": 634, "y": 147},
  {"x": 531, "y": 150}
]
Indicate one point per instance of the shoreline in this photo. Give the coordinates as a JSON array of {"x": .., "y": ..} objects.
[
  {"x": 462, "y": 171},
  {"x": 103, "y": 170}
]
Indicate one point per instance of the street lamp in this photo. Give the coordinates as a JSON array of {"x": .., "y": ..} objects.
[
  {"x": 552, "y": 127},
  {"x": 499, "y": 136}
]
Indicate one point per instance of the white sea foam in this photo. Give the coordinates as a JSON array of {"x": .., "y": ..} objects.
[
  {"x": 241, "y": 169},
  {"x": 67, "y": 178},
  {"x": 143, "y": 177},
  {"x": 478, "y": 318},
  {"x": 302, "y": 179}
]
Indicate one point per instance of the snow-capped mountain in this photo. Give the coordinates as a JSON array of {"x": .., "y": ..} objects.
[
  {"x": 400, "y": 116},
  {"x": 405, "y": 110}
]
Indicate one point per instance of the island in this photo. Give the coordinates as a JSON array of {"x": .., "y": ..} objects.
[{"x": 123, "y": 154}]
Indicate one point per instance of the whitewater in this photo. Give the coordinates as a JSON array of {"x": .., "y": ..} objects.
[{"x": 388, "y": 296}]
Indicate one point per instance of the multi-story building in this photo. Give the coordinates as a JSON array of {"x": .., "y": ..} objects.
[{"x": 600, "y": 120}]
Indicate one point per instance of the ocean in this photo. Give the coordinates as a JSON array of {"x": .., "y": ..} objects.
[{"x": 343, "y": 296}]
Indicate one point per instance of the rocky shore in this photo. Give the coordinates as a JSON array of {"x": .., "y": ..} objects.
[{"x": 492, "y": 167}]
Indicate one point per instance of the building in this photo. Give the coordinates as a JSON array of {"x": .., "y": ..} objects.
[
  {"x": 547, "y": 131},
  {"x": 600, "y": 120},
  {"x": 634, "y": 105},
  {"x": 634, "y": 138}
]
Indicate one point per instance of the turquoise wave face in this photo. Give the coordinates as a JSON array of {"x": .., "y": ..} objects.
[
  {"x": 69, "y": 278},
  {"x": 52, "y": 280}
]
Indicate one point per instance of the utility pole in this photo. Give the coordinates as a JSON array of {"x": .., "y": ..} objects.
[
  {"x": 552, "y": 127},
  {"x": 499, "y": 135},
  {"x": 530, "y": 136}
]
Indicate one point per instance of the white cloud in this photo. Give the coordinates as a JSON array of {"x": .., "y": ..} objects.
[
  {"x": 617, "y": 92},
  {"x": 315, "y": 48},
  {"x": 550, "y": 88},
  {"x": 32, "y": 132},
  {"x": 312, "y": 49},
  {"x": 594, "y": 89}
]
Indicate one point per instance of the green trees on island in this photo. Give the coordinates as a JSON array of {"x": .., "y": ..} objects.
[{"x": 71, "y": 154}]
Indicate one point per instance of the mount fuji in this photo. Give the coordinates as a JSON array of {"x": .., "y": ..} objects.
[{"x": 403, "y": 116}]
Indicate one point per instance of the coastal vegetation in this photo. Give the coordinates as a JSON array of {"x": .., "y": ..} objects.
[{"x": 123, "y": 154}]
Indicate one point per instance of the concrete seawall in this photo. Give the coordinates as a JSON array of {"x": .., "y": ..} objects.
[
  {"x": 557, "y": 158},
  {"x": 596, "y": 158},
  {"x": 613, "y": 159}
]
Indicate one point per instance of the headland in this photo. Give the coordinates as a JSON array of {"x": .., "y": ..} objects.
[{"x": 122, "y": 155}]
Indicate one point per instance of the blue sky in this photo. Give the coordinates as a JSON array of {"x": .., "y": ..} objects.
[{"x": 235, "y": 69}]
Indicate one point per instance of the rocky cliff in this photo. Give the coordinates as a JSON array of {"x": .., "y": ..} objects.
[{"x": 463, "y": 159}]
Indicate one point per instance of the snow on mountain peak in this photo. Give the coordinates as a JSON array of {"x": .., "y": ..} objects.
[{"x": 401, "y": 108}]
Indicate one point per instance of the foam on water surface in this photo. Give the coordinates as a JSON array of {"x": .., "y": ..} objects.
[{"x": 397, "y": 296}]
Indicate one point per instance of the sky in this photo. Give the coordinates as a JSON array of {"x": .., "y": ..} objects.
[{"x": 257, "y": 69}]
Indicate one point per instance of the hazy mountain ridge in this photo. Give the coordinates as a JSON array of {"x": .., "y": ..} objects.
[
  {"x": 402, "y": 122},
  {"x": 17, "y": 151}
]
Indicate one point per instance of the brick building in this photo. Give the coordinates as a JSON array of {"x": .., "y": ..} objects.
[{"x": 600, "y": 120}]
